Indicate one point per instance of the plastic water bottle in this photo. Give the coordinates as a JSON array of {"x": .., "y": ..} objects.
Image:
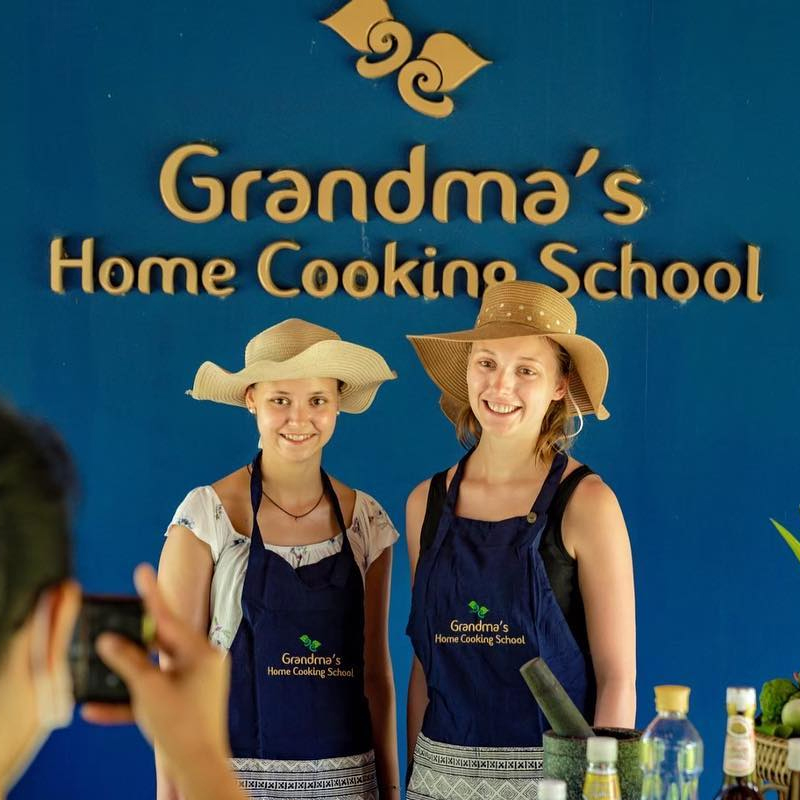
[{"x": 672, "y": 750}]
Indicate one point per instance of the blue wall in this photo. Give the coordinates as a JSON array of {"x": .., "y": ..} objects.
[{"x": 702, "y": 446}]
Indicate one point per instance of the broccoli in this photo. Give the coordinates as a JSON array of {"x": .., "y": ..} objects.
[{"x": 773, "y": 697}]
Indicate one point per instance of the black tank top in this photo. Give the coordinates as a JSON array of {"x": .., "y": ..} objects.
[{"x": 561, "y": 567}]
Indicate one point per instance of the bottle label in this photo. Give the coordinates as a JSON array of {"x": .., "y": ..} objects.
[
  {"x": 740, "y": 747},
  {"x": 601, "y": 787}
]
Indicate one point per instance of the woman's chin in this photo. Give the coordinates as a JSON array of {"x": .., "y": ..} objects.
[{"x": 499, "y": 426}]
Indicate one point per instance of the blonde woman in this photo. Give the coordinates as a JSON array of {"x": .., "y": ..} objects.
[
  {"x": 289, "y": 570},
  {"x": 517, "y": 551}
]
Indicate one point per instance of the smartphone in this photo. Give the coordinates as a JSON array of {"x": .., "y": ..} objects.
[{"x": 92, "y": 680}]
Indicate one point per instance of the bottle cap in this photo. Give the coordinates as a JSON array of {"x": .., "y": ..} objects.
[
  {"x": 551, "y": 789},
  {"x": 741, "y": 697},
  {"x": 793, "y": 756},
  {"x": 673, "y": 699},
  {"x": 601, "y": 749}
]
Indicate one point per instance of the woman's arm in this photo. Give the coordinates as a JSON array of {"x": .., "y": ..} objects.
[
  {"x": 594, "y": 530},
  {"x": 417, "y": 685},
  {"x": 184, "y": 581},
  {"x": 378, "y": 676}
]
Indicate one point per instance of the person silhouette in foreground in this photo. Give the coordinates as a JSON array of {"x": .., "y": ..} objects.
[{"x": 183, "y": 709}]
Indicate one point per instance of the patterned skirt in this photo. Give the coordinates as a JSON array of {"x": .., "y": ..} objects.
[
  {"x": 346, "y": 778},
  {"x": 451, "y": 772}
]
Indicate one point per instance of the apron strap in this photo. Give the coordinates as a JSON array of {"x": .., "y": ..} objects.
[
  {"x": 256, "y": 490},
  {"x": 537, "y": 516},
  {"x": 334, "y": 500},
  {"x": 343, "y": 558},
  {"x": 448, "y": 508},
  {"x": 549, "y": 488},
  {"x": 542, "y": 501},
  {"x": 452, "y": 491}
]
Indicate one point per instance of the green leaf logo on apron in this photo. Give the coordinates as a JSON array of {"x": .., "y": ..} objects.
[
  {"x": 477, "y": 608},
  {"x": 312, "y": 644}
]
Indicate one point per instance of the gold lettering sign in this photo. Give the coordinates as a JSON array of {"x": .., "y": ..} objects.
[
  {"x": 546, "y": 202},
  {"x": 412, "y": 277},
  {"x": 284, "y": 272}
]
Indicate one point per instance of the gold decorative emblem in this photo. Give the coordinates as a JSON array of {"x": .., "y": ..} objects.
[{"x": 442, "y": 65}]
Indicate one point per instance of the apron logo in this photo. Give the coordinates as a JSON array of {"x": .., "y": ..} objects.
[
  {"x": 312, "y": 644},
  {"x": 310, "y": 665},
  {"x": 476, "y": 608},
  {"x": 479, "y": 631}
]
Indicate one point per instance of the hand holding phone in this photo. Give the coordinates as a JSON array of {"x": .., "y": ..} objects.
[
  {"x": 92, "y": 680},
  {"x": 183, "y": 707}
]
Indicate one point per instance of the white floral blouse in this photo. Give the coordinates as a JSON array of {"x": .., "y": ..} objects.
[{"x": 201, "y": 512}]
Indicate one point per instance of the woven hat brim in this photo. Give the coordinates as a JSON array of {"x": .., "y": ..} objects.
[
  {"x": 445, "y": 358},
  {"x": 361, "y": 370}
]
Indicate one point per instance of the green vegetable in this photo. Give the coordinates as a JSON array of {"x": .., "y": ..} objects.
[
  {"x": 791, "y": 714},
  {"x": 774, "y": 695},
  {"x": 768, "y": 729},
  {"x": 771, "y": 729}
]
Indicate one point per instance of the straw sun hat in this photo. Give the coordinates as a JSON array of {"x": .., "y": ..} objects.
[
  {"x": 297, "y": 349},
  {"x": 510, "y": 309}
]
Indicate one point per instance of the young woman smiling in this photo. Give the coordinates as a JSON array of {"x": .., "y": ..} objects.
[
  {"x": 289, "y": 570},
  {"x": 517, "y": 551}
]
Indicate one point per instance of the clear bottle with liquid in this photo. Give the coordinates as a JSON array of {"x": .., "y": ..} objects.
[
  {"x": 739, "y": 762},
  {"x": 602, "y": 781},
  {"x": 671, "y": 753}
]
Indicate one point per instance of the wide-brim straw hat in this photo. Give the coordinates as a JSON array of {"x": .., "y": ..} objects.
[
  {"x": 295, "y": 349},
  {"x": 511, "y": 309}
]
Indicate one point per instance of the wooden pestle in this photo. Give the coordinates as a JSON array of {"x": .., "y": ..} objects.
[{"x": 555, "y": 703}]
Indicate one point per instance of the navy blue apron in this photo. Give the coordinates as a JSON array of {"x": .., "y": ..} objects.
[
  {"x": 297, "y": 671},
  {"x": 482, "y": 606}
]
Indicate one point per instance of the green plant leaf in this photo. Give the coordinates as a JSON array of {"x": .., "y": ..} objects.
[
  {"x": 483, "y": 611},
  {"x": 315, "y": 645},
  {"x": 473, "y": 606},
  {"x": 790, "y": 540},
  {"x": 305, "y": 639}
]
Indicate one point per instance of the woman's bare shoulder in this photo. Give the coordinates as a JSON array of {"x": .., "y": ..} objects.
[
  {"x": 589, "y": 488},
  {"x": 340, "y": 487},
  {"x": 234, "y": 493},
  {"x": 592, "y": 494},
  {"x": 234, "y": 486},
  {"x": 419, "y": 495},
  {"x": 592, "y": 515}
]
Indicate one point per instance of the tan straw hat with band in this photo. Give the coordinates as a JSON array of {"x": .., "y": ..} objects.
[
  {"x": 511, "y": 309},
  {"x": 297, "y": 349}
]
